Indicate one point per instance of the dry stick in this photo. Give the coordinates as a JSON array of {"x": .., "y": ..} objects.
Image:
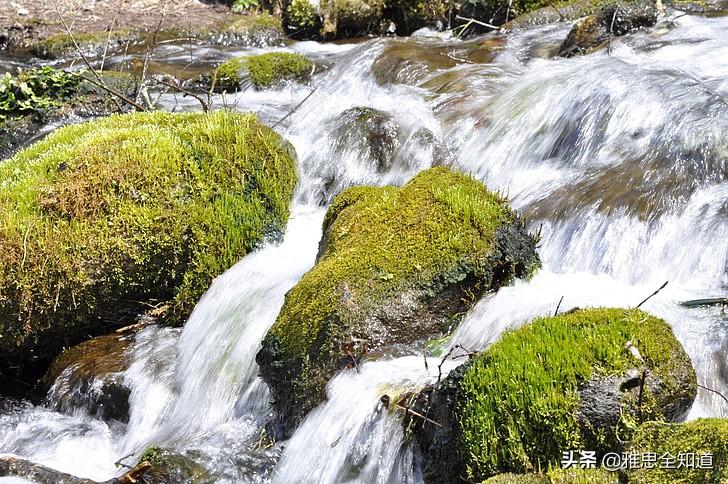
[
  {"x": 150, "y": 49},
  {"x": 508, "y": 10},
  {"x": 558, "y": 306},
  {"x": 108, "y": 41},
  {"x": 651, "y": 295},
  {"x": 294, "y": 109},
  {"x": 80, "y": 52},
  {"x": 714, "y": 391},
  {"x": 490, "y": 26},
  {"x": 561, "y": 15},
  {"x": 417, "y": 414},
  {"x": 205, "y": 106}
]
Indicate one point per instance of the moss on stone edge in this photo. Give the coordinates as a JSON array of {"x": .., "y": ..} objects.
[
  {"x": 396, "y": 265},
  {"x": 701, "y": 436},
  {"x": 252, "y": 30},
  {"x": 557, "y": 476},
  {"x": 517, "y": 403},
  {"x": 264, "y": 70},
  {"x": 61, "y": 45},
  {"x": 100, "y": 217}
]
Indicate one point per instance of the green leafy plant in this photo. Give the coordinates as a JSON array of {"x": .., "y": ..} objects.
[
  {"x": 240, "y": 6},
  {"x": 33, "y": 90}
]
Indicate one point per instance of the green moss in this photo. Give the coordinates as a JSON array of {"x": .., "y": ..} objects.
[
  {"x": 99, "y": 219},
  {"x": 153, "y": 455},
  {"x": 517, "y": 403},
  {"x": 33, "y": 90},
  {"x": 379, "y": 237},
  {"x": 263, "y": 70},
  {"x": 698, "y": 437},
  {"x": 557, "y": 476},
  {"x": 62, "y": 44},
  {"x": 251, "y": 23}
]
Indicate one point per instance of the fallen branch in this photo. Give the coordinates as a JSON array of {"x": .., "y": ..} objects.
[
  {"x": 558, "y": 306},
  {"x": 417, "y": 414},
  {"x": 651, "y": 295},
  {"x": 106, "y": 88}
]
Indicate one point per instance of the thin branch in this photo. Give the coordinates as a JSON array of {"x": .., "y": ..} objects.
[
  {"x": 478, "y": 22},
  {"x": 205, "y": 105},
  {"x": 294, "y": 109},
  {"x": 78, "y": 49},
  {"x": 106, "y": 88},
  {"x": 714, "y": 391},
  {"x": 651, "y": 295},
  {"x": 558, "y": 306}
]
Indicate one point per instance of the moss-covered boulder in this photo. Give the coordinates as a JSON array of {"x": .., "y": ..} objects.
[
  {"x": 613, "y": 20},
  {"x": 253, "y": 30},
  {"x": 32, "y": 472},
  {"x": 161, "y": 466},
  {"x": 395, "y": 266},
  {"x": 261, "y": 71},
  {"x": 103, "y": 219},
  {"x": 701, "y": 445},
  {"x": 89, "y": 376},
  {"x": 91, "y": 44},
  {"x": 582, "y": 380}
]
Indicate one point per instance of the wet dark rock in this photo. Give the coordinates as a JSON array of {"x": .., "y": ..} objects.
[
  {"x": 371, "y": 132},
  {"x": 389, "y": 274},
  {"x": 90, "y": 376},
  {"x": 595, "y": 31},
  {"x": 12, "y": 466}
]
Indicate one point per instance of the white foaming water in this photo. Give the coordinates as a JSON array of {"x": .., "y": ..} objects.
[{"x": 621, "y": 159}]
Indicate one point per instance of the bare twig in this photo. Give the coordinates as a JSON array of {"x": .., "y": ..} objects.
[
  {"x": 106, "y": 88},
  {"x": 417, "y": 414},
  {"x": 714, "y": 391},
  {"x": 477, "y": 22},
  {"x": 205, "y": 105},
  {"x": 558, "y": 306},
  {"x": 294, "y": 109},
  {"x": 651, "y": 295},
  {"x": 80, "y": 52}
]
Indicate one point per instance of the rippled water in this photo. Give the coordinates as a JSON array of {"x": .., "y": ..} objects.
[{"x": 619, "y": 159}]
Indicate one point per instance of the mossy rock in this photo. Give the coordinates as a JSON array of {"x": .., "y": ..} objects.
[
  {"x": 559, "y": 383},
  {"x": 253, "y": 30},
  {"x": 613, "y": 20},
  {"x": 162, "y": 466},
  {"x": 102, "y": 219},
  {"x": 262, "y": 71},
  {"x": 305, "y": 19},
  {"x": 558, "y": 476},
  {"x": 395, "y": 266},
  {"x": 705, "y": 436},
  {"x": 62, "y": 45},
  {"x": 411, "y": 15}
]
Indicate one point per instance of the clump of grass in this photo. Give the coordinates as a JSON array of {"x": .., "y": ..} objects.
[
  {"x": 34, "y": 90},
  {"x": 103, "y": 219},
  {"x": 517, "y": 403},
  {"x": 263, "y": 70}
]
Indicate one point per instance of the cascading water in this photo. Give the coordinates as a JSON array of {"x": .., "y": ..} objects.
[{"x": 619, "y": 158}]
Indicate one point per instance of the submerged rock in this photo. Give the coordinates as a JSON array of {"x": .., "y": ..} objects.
[
  {"x": 395, "y": 266},
  {"x": 90, "y": 44},
  {"x": 104, "y": 218},
  {"x": 581, "y": 380},
  {"x": 614, "y": 20},
  {"x": 90, "y": 376},
  {"x": 369, "y": 131},
  {"x": 261, "y": 71},
  {"x": 706, "y": 439}
]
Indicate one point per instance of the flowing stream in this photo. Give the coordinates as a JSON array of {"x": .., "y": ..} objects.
[{"x": 620, "y": 160}]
